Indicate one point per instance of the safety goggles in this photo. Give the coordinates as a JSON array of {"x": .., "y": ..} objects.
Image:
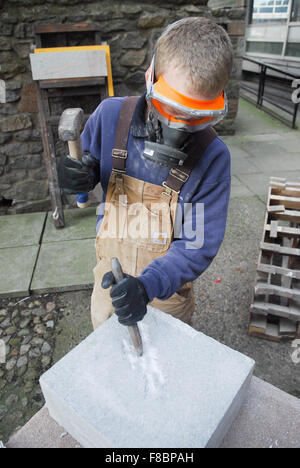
[{"x": 179, "y": 111}]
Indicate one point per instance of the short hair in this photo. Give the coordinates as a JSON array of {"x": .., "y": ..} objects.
[{"x": 201, "y": 49}]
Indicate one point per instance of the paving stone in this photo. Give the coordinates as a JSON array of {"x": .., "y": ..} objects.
[
  {"x": 243, "y": 166},
  {"x": 290, "y": 142},
  {"x": 236, "y": 151},
  {"x": 22, "y": 229},
  {"x": 251, "y": 121},
  {"x": 259, "y": 183},
  {"x": 16, "y": 276},
  {"x": 269, "y": 156},
  {"x": 260, "y": 148},
  {"x": 270, "y": 137},
  {"x": 79, "y": 224},
  {"x": 65, "y": 266},
  {"x": 166, "y": 398},
  {"x": 238, "y": 191}
]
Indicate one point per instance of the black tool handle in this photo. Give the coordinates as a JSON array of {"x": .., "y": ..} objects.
[
  {"x": 134, "y": 331},
  {"x": 117, "y": 269}
]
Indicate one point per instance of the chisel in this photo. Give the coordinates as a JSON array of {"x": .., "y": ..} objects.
[{"x": 134, "y": 331}]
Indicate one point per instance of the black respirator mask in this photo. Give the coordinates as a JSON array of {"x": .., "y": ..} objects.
[{"x": 165, "y": 146}]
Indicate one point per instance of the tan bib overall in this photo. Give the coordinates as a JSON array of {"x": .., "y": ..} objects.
[{"x": 137, "y": 227}]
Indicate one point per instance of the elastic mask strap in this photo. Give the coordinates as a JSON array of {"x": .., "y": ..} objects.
[{"x": 154, "y": 129}]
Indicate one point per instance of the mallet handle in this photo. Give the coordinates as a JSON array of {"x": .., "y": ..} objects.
[{"x": 75, "y": 151}]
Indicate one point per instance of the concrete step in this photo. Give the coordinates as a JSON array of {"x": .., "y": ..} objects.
[{"x": 269, "y": 418}]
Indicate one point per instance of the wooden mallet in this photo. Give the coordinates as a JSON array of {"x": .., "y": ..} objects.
[{"x": 69, "y": 130}]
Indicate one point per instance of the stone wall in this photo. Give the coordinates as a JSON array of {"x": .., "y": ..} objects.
[
  {"x": 130, "y": 28},
  {"x": 231, "y": 14}
]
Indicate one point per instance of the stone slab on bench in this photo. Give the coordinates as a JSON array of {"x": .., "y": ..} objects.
[
  {"x": 269, "y": 418},
  {"x": 185, "y": 391}
]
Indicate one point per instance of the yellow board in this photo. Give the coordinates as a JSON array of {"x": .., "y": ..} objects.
[{"x": 94, "y": 47}]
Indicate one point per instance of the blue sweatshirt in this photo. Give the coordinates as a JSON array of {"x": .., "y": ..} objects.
[{"x": 209, "y": 184}]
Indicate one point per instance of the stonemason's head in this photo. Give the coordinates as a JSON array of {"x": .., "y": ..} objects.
[
  {"x": 198, "y": 52},
  {"x": 191, "y": 65}
]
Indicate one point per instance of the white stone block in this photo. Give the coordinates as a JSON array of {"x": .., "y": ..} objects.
[
  {"x": 184, "y": 392},
  {"x": 68, "y": 64}
]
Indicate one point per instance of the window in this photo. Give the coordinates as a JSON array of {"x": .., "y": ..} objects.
[
  {"x": 295, "y": 14},
  {"x": 293, "y": 49},
  {"x": 270, "y": 11},
  {"x": 274, "y": 48}
]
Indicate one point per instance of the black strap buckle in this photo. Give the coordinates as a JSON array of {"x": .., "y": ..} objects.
[
  {"x": 120, "y": 154},
  {"x": 169, "y": 190},
  {"x": 118, "y": 172},
  {"x": 180, "y": 175}
]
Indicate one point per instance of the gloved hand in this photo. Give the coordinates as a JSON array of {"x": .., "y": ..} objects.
[
  {"x": 78, "y": 176},
  {"x": 129, "y": 298}
]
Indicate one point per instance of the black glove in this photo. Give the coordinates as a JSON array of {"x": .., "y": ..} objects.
[
  {"x": 78, "y": 176},
  {"x": 129, "y": 298}
]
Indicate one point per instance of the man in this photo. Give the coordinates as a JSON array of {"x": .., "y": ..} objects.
[{"x": 168, "y": 158}]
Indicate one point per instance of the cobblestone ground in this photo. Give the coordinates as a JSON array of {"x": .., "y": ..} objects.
[
  {"x": 40, "y": 330},
  {"x": 27, "y": 328},
  {"x": 37, "y": 331}
]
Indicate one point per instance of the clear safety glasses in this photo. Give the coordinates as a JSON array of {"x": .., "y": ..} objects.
[{"x": 179, "y": 111}]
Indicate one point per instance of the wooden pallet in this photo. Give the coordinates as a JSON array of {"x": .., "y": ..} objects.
[{"x": 275, "y": 309}]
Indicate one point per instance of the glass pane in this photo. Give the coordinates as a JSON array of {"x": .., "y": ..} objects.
[
  {"x": 293, "y": 49},
  {"x": 271, "y": 48},
  {"x": 267, "y": 11},
  {"x": 295, "y": 14},
  {"x": 294, "y": 34}
]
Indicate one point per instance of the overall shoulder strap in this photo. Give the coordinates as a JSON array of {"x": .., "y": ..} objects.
[
  {"x": 179, "y": 176},
  {"x": 119, "y": 153}
]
